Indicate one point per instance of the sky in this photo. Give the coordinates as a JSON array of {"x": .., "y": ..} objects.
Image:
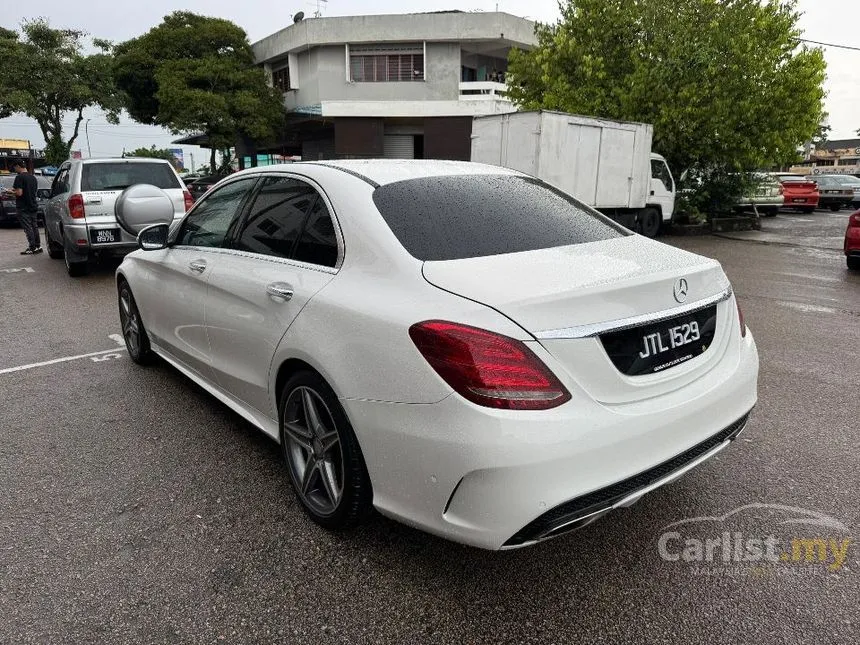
[{"x": 829, "y": 21}]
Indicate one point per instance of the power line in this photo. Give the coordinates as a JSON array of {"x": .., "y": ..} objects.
[{"x": 815, "y": 42}]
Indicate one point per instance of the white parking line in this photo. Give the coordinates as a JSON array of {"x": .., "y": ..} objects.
[
  {"x": 96, "y": 357},
  {"x": 65, "y": 359},
  {"x": 19, "y": 270}
]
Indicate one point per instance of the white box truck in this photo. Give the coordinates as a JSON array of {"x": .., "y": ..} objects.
[{"x": 606, "y": 164}]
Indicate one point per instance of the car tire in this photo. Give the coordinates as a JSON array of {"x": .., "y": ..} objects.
[
  {"x": 55, "y": 251},
  {"x": 853, "y": 263},
  {"x": 836, "y": 207},
  {"x": 315, "y": 434},
  {"x": 769, "y": 212},
  {"x": 808, "y": 210},
  {"x": 75, "y": 266},
  {"x": 649, "y": 222},
  {"x": 133, "y": 332}
]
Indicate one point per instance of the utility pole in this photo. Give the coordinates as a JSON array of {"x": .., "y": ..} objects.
[{"x": 87, "y": 131}]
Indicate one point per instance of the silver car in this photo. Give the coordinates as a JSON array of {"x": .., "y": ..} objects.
[{"x": 79, "y": 217}]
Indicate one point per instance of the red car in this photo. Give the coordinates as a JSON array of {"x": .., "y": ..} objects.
[
  {"x": 800, "y": 192},
  {"x": 852, "y": 242}
]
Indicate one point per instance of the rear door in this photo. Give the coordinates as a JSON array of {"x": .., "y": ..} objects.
[{"x": 285, "y": 251}]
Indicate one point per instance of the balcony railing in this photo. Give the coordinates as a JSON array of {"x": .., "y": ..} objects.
[{"x": 483, "y": 91}]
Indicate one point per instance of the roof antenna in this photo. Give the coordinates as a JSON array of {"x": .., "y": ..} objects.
[{"x": 320, "y": 4}]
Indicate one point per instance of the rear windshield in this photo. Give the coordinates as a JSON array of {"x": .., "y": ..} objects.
[
  {"x": 468, "y": 216},
  {"x": 120, "y": 175}
]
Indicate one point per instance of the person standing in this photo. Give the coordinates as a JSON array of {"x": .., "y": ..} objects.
[{"x": 28, "y": 208}]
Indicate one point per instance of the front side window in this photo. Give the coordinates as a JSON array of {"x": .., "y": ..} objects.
[
  {"x": 386, "y": 64},
  {"x": 660, "y": 171},
  {"x": 209, "y": 223}
]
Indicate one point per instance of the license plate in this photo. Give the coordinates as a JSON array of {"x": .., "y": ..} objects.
[
  {"x": 800, "y": 200},
  {"x": 660, "y": 346},
  {"x": 104, "y": 235}
]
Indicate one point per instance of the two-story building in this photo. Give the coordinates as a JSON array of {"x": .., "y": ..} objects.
[
  {"x": 837, "y": 157},
  {"x": 397, "y": 86}
]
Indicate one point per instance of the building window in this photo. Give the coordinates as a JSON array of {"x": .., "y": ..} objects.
[
  {"x": 849, "y": 161},
  {"x": 281, "y": 79},
  {"x": 386, "y": 64}
]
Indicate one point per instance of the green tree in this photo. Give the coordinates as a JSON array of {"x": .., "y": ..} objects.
[
  {"x": 153, "y": 153},
  {"x": 194, "y": 73},
  {"x": 46, "y": 76},
  {"x": 726, "y": 83}
]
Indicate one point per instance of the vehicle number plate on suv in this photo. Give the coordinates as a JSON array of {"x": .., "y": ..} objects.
[
  {"x": 104, "y": 235},
  {"x": 656, "y": 347}
]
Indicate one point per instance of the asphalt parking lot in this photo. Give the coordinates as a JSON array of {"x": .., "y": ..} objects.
[{"x": 137, "y": 509}]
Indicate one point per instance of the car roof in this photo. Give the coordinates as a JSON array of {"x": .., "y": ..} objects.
[
  {"x": 88, "y": 162},
  {"x": 388, "y": 171}
]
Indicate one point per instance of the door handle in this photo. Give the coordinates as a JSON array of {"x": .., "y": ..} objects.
[
  {"x": 280, "y": 291},
  {"x": 198, "y": 266}
]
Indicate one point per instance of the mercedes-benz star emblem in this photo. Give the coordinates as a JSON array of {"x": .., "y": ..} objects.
[{"x": 681, "y": 289}]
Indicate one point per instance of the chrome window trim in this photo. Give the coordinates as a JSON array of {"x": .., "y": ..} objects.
[
  {"x": 262, "y": 257},
  {"x": 595, "y": 329},
  {"x": 338, "y": 230}
]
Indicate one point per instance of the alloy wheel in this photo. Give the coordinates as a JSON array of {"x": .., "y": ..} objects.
[
  {"x": 313, "y": 450},
  {"x": 130, "y": 322}
]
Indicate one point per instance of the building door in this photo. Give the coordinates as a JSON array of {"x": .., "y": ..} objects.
[{"x": 399, "y": 146}]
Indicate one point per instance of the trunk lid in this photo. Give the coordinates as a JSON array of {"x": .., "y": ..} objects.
[{"x": 577, "y": 300}]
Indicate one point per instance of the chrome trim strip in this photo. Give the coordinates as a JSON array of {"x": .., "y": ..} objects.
[{"x": 595, "y": 329}]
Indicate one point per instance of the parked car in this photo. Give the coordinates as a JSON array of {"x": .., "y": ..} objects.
[
  {"x": 79, "y": 216},
  {"x": 852, "y": 182},
  {"x": 799, "y": 191},
  {"x": 198, "y": 186},
  {"x": 835, "y": 195},
  {"x": 765, "y": 194},
  {"x": 852, "y": 242},
  {"x": 8, "y": 209},
  {"x": 462, "y": 346}
]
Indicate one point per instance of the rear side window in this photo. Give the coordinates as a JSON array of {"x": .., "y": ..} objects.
[
  {"x": 277, "y": 216},
  {"x": 120, "y": 175},
  {"x": 467, "y": 216}
]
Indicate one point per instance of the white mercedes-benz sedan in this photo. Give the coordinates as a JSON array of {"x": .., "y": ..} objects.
[{"x": 463, "y": 347}]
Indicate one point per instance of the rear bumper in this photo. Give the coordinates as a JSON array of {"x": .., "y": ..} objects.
[
  {"x": 79, "y": 235},
  {"x": 497, "y": 479},
  {"x": 831, "y": 200}
]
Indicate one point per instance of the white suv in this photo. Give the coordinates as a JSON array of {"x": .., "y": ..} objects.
[{"x": 80, "y": 218}]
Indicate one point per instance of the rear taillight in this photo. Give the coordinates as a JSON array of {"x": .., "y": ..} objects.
[
  {"x": 486, "y": 368},
  {"x": 854, "y": 220},
  {"x": 189, "y": 200},
  {"x": 6, "y": 197},
  {"x": 76, "y": 206},
  {"x": 741, "y": 319},
  {"x": 781, "y": 190}
]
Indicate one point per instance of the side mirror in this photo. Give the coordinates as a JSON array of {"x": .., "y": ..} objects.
[
  {"x": 153, "y": 238},
  {"x": 141, "y": 206}
]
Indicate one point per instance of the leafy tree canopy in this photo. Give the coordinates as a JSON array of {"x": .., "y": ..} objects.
[
  {"x": 194, "y": 73},
  {"x": 725, "y": 82},
  {"x": 45, "y": 75},
  {"x": 153, "y": 153}
]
